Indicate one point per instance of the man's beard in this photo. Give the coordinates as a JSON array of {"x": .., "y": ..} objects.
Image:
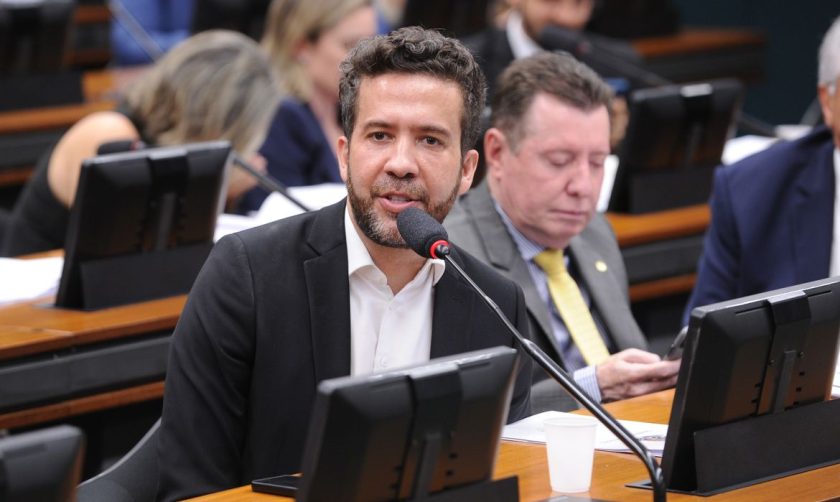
[{"x": 375, "y": 227}]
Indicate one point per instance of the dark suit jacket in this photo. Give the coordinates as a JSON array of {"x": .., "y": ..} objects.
[
  {"x": 475, "y": 225},
  {"x": 772, "y": 221},
  {"x": 267, "y": 319},
  {"x": 493, "y": 53},
  {"x": 296, "y": 151}
]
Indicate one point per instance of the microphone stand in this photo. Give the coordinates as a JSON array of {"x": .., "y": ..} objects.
[
  {"x": 268, "y": 182},
  {"x": 563, "y": 378},
  {"x": 560, "y": 38}
]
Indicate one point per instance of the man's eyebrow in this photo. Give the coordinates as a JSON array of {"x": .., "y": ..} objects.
[
  {"x": 376, "y": 124},
  {"x": 434, "y": 129}
]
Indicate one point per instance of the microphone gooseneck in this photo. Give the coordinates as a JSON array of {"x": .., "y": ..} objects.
[
  {"x": 422, "y": 233},
  {"x": 268, "y": 182}
]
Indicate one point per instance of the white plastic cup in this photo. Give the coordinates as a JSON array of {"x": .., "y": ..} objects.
[{"x": 570, "y": 443}]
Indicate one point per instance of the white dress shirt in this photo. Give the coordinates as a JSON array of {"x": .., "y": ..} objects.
[
  {"x": 521, "y": 44},
  {"x": 387, "y": 331},
  {"x": 834, "y": 268}
]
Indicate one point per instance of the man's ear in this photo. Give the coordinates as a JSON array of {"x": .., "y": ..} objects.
[
  {"x": 343, "y": 151},
  {"x": 495, "y": 146},
  {"x": 468, "y": 167},
  {"x": 825, "y": 103}
]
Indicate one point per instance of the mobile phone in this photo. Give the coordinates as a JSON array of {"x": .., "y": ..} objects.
[
  {"x": 676, "y": 349},
  {"x": 286, "y": 484}
]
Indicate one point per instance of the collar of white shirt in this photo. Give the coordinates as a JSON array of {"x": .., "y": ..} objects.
[{"x": 521, "y": 44}]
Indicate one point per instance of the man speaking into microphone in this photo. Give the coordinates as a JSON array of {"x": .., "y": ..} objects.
[{"x": 336, "y": 292}]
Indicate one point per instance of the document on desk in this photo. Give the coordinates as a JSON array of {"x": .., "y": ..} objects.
[
  {"x": 22, "y": 280},
  {"x": 530, "y": 430}
]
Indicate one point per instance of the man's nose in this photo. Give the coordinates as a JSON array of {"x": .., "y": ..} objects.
[{"x": 401, "y": 160}]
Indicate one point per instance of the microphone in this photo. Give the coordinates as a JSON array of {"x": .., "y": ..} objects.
[
  {"x": 427, "y": 237},
  {"x": 268, "y": 182},
  {"x": 576, "y": 43},
  {"x": 424, "y": 234}
]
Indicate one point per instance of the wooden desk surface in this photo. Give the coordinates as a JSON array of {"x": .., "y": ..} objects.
[
  {"x": 612, "y": 471},
  {"x": 36, "y": 326}
]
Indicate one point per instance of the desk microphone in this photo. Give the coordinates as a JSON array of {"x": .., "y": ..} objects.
[
  {"x": 576, "y": 43},
  {"x": 427, "y": 237},
  {"x": 268, "y": 182}
]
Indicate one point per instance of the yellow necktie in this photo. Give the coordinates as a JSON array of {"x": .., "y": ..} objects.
[{"x": 572, "y": 308}]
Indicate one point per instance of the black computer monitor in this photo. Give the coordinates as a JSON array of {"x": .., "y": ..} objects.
[
  {"x": 674, "y": 140},
  {"x": 753, "y": 364},
  {"x": 142, "y": 224},
  {"x": 43, "y": 465},
  {"x": 35, "y": 54},
  {"x": 402, "y": 434}
]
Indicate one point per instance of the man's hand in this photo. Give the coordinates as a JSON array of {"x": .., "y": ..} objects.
[{"x": 634, "y": 372}]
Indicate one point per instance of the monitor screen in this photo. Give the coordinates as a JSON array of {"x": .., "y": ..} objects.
[
  {"x": 142, "y": 224},
  {"x": 744, "y": 358},
  {"x": 42, "y": 465},
  {"x": 424, "y": 429},
  {"x": 675, "y": 137},
  {"x": 34, "y": 35}
]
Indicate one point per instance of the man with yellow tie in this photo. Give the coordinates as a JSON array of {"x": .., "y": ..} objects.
[{"x": 533, "y": 219}]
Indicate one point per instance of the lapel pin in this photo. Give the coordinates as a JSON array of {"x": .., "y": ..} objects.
[{"x": 600, "y": 266}]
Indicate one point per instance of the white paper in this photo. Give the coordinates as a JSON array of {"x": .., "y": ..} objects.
[
  {"x": 22, "y": 280},
  {"x": 276, "y": 206},
  {"x": 744, "y": 146},
  {"x": 610, "y": 170},
  {"x": 835, "y": 389},
  {"x": 531, "y": 430}
]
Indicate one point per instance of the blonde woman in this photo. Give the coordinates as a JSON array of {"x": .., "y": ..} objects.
[
  {"x": 215, "y": 85},
  {"x": 306, "y": 41}
]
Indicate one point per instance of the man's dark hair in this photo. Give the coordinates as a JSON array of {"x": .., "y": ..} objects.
[
  {"x": 557, "y": 74},
  {"x": 414, "y": 50}
]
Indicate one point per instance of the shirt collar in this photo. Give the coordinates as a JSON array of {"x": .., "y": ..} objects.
[
  {"x": 521, "y": 44},
  {"x": 527, "y": 248},
  {"x": 359, "y": 258}
]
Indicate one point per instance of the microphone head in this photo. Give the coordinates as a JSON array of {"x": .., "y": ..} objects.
[
  {"x": 558, "y": 38},
  {"x": 421, "y": 232}
]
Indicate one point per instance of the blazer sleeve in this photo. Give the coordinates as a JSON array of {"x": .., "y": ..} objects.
[
  {"x": 717, "y": 272},
  {"x": 207, "y": 380}
]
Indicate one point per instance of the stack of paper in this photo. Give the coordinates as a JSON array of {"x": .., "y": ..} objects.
[
  {"x": 28, "y": 279},
  {"x": 531, "y": 430}
]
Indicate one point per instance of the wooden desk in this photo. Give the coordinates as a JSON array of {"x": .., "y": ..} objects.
[
  {"x": 32, "y": 331},
  {"x": 641, "y": 229},
  {"x": 705, "y": 53},
  {"x": 612, "y": 471}
]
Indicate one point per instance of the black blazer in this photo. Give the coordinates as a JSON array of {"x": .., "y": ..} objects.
[{"x": 267, "y": 319}]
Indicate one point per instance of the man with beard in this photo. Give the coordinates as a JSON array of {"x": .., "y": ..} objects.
[{"x": 336, "y": 292}]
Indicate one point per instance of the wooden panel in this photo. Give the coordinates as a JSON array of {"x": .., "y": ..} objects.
[
  {"x": 662, "y": 287},
  {"x": 73, "y": 407},
  {"x": 634, "y": 229},
  {"x": 694, "y": 40}
]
